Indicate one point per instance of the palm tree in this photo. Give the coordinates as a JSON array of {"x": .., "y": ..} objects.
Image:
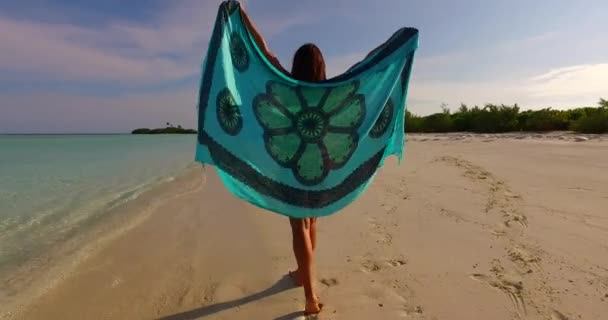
[{"x": 463, "y": 108}]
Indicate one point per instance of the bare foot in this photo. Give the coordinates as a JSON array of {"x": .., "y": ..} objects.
[
  {"x": 313, "y": 306},
  {"x": 297, "y": 279}
]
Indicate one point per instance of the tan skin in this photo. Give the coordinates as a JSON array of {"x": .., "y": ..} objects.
[{"x": 304, "y": 231}]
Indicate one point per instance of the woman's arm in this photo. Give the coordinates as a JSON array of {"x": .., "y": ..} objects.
[
  {"x": 260, "y": 41},
  {"x": 374, "y": 51}
]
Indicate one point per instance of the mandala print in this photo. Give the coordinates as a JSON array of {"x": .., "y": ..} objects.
[
  {"x": 228, "y": 113},
  {"x": 384, "y": 120},
  {"x": 310, "y": 130},
  {"x": 238, "y": 52}
]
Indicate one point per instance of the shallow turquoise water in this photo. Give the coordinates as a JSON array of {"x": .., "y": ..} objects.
[{"x": 50, "y": 186}]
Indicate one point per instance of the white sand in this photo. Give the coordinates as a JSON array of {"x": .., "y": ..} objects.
[{"x": 468, "y": 227}]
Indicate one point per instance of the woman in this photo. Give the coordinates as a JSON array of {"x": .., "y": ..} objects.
[{"x": 308, "y": 65}]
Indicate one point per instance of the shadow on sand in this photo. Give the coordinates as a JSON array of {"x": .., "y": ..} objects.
[{"x": 281, "y": 285}]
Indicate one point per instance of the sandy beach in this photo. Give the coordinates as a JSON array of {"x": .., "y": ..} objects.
[{"x": 467, "y": 227}]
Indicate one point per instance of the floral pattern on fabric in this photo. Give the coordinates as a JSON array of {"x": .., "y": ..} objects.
[
  {"x": 310, "y": 130},
  {"x": 384, "y": 120},
  {"x": 228, "y": 113},
  {"x": 238, "y": 52}
]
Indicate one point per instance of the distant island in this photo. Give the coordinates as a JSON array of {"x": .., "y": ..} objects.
[{"x": 170, "y": 129}]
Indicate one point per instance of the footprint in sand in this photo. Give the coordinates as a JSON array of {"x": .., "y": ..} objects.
[
  {"x": 511, "y": 218},
  {"x": 512, "y": 288},
  {"x": 524, "y": 260},
  {"x": 500, "y": 197},
  {"x": 412, "y": 312},
  {"x": 209, "y": 293},
  {"x": 391, "y": 209},
  {"x": 329, "y": 282},
  {"x": 499, "y": 232},
  {"x": 116, "y": 282},
  {"x": 384, "y": 238},
  {"x": 511, "y": 195},
  {"x": 556, "y": 315},
  {"x": 373, "y": 222},
  {"x": 375, "y": 266},
  {"x": 396, "y": 263},
  {"x": 371, "y": 266}
]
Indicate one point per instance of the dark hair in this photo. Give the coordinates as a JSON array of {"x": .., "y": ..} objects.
[{"x": 308, "y": 64}]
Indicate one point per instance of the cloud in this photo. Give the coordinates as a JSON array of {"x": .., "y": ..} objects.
[
  {"x": 165, "y": 52},
  {"x": 127, "y": 61},
  {"x": 119, "y": 51},
  {"x": 565, "y": 87},
  {"x": 579, "y": 80},
  {"x": 168, "y": 48},
  {"x": 426, "y": 96},
  {"x": 447, "y": 78}
]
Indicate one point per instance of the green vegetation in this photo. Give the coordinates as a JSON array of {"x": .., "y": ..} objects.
[
  {"x": 503, "y": 118},
  {"x": 170, "y": 129}
]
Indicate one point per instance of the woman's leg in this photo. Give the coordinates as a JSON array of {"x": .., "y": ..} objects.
[
  {"x": 302, "y": 249},
  {"x": 313, "y": 233},
  {"x": 296, "y": 244}
]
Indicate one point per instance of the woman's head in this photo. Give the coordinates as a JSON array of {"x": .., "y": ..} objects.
[{"x": 308, "y": 64}]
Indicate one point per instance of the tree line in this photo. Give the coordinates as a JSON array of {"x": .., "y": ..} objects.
[{"x": 508, "y": 118}]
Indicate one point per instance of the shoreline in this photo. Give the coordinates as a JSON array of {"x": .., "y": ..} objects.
[
  {"x": 81, "y": 134},
  {"x": 466, "y": 228},
  {"x": 42, "y": 272},
  {"x": 566, "y": 136}
]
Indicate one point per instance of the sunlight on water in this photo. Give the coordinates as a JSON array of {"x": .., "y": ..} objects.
[{"x": 52, "y": 185}]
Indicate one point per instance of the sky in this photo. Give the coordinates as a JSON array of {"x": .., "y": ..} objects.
[{"x": 110, "y": 66}]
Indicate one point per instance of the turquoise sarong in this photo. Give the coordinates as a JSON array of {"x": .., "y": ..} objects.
[{"x": 297, "y": 148}]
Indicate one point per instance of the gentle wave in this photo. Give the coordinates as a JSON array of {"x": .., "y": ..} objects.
[{"x": 51, "y": 188}]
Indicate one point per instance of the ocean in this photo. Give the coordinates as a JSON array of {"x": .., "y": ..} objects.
[{"x": 51, "y": 186}]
